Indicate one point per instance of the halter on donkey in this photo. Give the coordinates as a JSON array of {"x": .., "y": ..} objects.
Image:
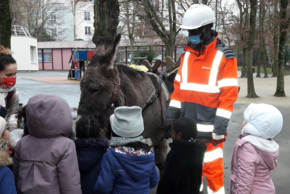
[{"x": 106, "y": 86}]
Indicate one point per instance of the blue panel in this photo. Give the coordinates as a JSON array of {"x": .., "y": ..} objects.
[
  {"x": 76, "y": 74},
  {"x": 83, "y": 55},
  {"x": 75, "y": 55}
]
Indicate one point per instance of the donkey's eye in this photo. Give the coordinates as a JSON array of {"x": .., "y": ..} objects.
[{"x": 96, "y": 91}]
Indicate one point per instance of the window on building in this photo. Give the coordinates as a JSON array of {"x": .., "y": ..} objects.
[
  {"x": 87, "y": 16},
  {"x": 53, "y": 18},
  {"x": 33, "y": 54},
  {"x": 88, "y": 30},
  {"x": 47, "y": 55},
  {"x": 53, "y": 31},
  {"x": 39, "y": 55}
]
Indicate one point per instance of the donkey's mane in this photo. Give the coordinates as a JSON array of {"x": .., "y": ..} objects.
[{"x": 130, "y": 72}]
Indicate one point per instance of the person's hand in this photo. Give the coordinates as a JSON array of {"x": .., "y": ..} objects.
[{"x": 217, "y": 139}]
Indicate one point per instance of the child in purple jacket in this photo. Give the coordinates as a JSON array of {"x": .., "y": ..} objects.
[{"x": 255, "y": 154}]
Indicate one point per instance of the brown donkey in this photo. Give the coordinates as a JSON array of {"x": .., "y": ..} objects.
[{"x": 106, "y": 85}]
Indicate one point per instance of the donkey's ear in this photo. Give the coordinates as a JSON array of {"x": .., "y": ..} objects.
[
  {"x": 113, "y": 51},
  {"x": 101, "y": 49}
]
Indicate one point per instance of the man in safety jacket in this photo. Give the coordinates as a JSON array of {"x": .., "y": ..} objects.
[{"x": 205, "y": 89}]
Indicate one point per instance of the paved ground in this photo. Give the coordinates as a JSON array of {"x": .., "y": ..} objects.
[
  {"x": 265, "y": 88},
  {"x": 28, "y": 88}
]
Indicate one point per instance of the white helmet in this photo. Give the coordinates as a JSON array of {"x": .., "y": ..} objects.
[{"x": 196, "y": 16}]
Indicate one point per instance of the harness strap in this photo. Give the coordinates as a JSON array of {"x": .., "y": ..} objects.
[
  {"x": 113, "y": 102},
  {"x": 155, "y": 94}
]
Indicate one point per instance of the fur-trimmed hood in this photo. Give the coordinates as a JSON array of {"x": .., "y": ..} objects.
[{"x": 5, "y": 160}]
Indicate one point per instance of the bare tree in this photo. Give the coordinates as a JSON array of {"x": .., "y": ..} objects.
[
  {"x": 17, "y": 14},
  {"x": 42, "y": 18},
  {"x": 227, "y": 23},
  {"x": 5, "y": 23},
  {"x": 262, "y": 39},
  {"x": 167, "y": 32},
  {"x": 276, "y": 37},
  {"x": 242, "y": 28},
  {"x": 128, "y": 19},
  {"x": 284, "y": 24},
  {"x": 248, "y": 29},
  {"x": 106, "y": 20},
  {"x": 185, "y": 4},
  {"x": 250, "y": 81}
]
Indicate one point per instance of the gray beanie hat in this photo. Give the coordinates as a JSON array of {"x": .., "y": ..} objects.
[{"x": 128, "y": 121}]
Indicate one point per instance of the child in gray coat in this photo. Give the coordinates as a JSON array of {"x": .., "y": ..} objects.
[{"x": 45, "y": 161}]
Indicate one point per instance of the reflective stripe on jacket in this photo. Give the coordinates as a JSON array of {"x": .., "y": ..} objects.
[{"x": 205, "y": 88}]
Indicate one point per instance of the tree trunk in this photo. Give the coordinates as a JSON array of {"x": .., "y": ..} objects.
[
  {"x": 5, "y": 24},
  {"x": 275, "y": 67},
  {"x": 275, "y": 39},
  {"x": 265, "y": 40},
  {"x": 243, "y": 75},
  {"x": 251, "y": 58},
  {"x": 204, "y": 2},
  {"x": 253, "y": 13},
  {"x": 244, "y": 21},
  {"x": 280, "y": 92},
  {"x": 106, "y": 21},
  {"x": 259, "y": 59},
  {"x": 169, "y": 47},
  {"x": 264, "y": 60},
  {"x": 268, "y": 52},
  {"x": 130, "y": 26},
  {"x": 250, "y": 80}
]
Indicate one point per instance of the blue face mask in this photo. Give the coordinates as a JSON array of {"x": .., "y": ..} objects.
[{"x": 194, "y": 39}]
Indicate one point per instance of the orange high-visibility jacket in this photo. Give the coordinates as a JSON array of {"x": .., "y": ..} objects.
[{"x": 205, "y": 88}]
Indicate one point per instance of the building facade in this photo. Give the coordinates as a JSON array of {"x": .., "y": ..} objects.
[
  {"x": 24, "y": 49},
  {"x": 84, "y": 20}
]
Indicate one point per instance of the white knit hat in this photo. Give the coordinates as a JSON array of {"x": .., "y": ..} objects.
[
  {"x": 263, "y": 120},
  {"x": 127, "y": 121},
  {"x": 2, "y": 125}
]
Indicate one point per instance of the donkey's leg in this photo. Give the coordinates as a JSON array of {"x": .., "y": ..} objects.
[{"x": 161, "y": 151}]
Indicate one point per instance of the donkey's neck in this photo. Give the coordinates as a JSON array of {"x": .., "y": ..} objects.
[{"x": 135, "y": 92}]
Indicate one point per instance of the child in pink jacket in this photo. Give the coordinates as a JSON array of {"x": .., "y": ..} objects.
[{"x": 255, "y": 154}]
